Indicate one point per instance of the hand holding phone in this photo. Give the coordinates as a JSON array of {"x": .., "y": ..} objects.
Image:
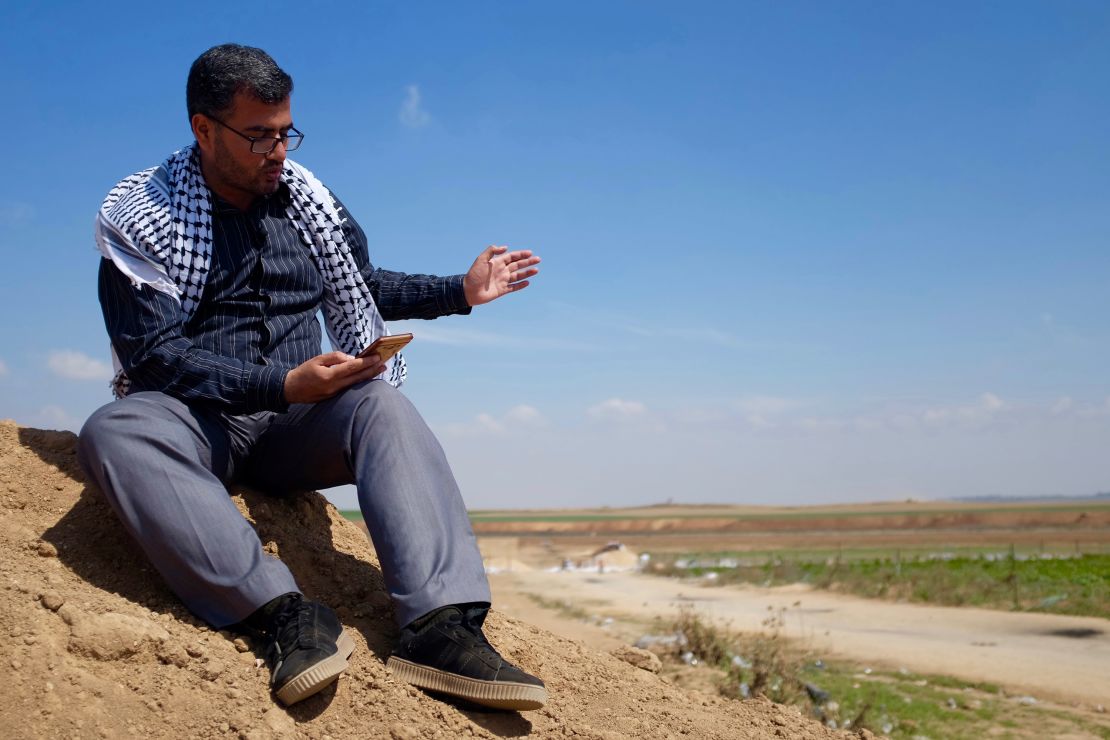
[{"x": 386, "y": 347}]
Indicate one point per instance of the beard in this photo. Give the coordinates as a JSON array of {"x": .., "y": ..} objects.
[{"x": 235, "y": 175}]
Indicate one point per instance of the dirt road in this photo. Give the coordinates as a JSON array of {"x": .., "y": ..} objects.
[{"x": 1047, "y": 656}]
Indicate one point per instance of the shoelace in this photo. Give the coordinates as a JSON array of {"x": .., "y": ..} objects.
[
  {"x": 469, "y": 631},
  {"x": 472, "y": 620}
]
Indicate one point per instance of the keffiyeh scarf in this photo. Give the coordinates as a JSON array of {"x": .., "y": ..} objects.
[{"x": 156, "y": 227}]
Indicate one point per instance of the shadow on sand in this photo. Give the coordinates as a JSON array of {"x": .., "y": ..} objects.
[{"x": 93, "y": 544}]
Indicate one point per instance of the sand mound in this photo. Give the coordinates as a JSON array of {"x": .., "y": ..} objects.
[{"x": 93, "y": 645}]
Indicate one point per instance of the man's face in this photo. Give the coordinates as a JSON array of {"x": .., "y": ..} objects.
[{"x": 231, "y": 169}]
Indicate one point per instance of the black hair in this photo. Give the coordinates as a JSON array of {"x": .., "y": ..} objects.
[{"x": 224, "y": 70}]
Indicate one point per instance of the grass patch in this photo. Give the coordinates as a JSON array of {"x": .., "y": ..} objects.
[
  {"x": 752, "y": 665},
  {"x": 899, "y": 704},
  {"x": 563, "y": 608}
]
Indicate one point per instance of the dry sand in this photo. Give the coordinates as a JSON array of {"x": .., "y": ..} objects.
[{"x": 93, "y": 645}]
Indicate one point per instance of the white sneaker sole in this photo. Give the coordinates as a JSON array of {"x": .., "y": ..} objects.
[
  {"x": 496, "y": 694},
  {"x": 320, "y": 676}
]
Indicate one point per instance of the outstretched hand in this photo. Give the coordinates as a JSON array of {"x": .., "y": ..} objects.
[{"x": 496, "y": 272}]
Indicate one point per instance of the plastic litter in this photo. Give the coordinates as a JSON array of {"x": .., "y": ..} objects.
[
  {"x": 646, "y": 641},
  {"x": 816, "y": 694},
  {"x": 1052, "y": 600}
]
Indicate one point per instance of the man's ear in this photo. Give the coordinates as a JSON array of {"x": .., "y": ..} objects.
[{"x": 204, "y": 129}]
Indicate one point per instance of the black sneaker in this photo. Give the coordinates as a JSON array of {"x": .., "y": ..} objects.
[
  {"x": 446, "y": 651},
  {"x": 306, "y": 646}
]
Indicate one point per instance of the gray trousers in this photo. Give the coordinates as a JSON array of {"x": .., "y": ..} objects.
[{"x": 163, "y": 466}]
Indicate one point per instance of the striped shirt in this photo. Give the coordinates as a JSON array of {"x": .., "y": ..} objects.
[{"x": 257, "y": 318}]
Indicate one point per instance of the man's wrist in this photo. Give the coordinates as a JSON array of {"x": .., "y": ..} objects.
[
  {"x": 451, "y": 298},
  {"x": 268, "y": 388}
]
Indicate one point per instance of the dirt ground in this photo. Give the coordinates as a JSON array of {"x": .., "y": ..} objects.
[
  {"x": 543, "y": 549},
  {"x": 94, "y": 646},
  {"x": 1079, "y": 521},
  {"x": 1059, "y": 658},
  {"x": 1056, "y": 657}
]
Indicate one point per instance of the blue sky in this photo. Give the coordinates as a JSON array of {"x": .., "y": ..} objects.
[{"x": 793, "y": 252}]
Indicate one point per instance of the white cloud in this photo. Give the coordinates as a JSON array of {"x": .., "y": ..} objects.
[
  {"x": 985, "y": 411},
  {"x": 818, "y": 451},
  {"x": 778, "y": 415},
  {"x": 518, "y": 417},
  {"x": 765, "y": 405},
  {"x": 1094, "y": 410},
  {"x": 75, "y": 365},
  {"x": 487, "y": 423},
  {"x": 982, "y": 410},
  {"x": 524, "y": 415},
  {"x": 55, "y": 417},
  {"x": 764, "y": 411},
  {"x": 756, "y": 411},
  {"x": 412, "y": 112},
  {"x": 3, "y": 369},
  {"x": 990, "y": 402},
  {"x": 616, "y": 409},
  {"x": 821, "y": 424},
  {"x": 898, "y": 418}
]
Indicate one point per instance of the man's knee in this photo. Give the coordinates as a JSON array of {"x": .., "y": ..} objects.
[
  {"x": 376, "y": 401},
  {"x": 98, "y": 434},
  {"x": 111, "y": 430},
  {"x": 377, "y": 412}
]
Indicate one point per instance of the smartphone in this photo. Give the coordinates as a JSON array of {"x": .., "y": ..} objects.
[{"x": 386, "y": 347}]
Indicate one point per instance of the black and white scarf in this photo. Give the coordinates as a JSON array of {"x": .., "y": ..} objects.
[{"x": 156, "y": 227}]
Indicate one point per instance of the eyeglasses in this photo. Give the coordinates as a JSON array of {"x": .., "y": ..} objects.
[{"x": 291, "y": 139}]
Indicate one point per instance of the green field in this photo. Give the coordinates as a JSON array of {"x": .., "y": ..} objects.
[{"x": 1059, "y": 583}]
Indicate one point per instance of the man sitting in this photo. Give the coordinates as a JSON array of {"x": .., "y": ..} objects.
[{"x": 215, "y": 265}]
